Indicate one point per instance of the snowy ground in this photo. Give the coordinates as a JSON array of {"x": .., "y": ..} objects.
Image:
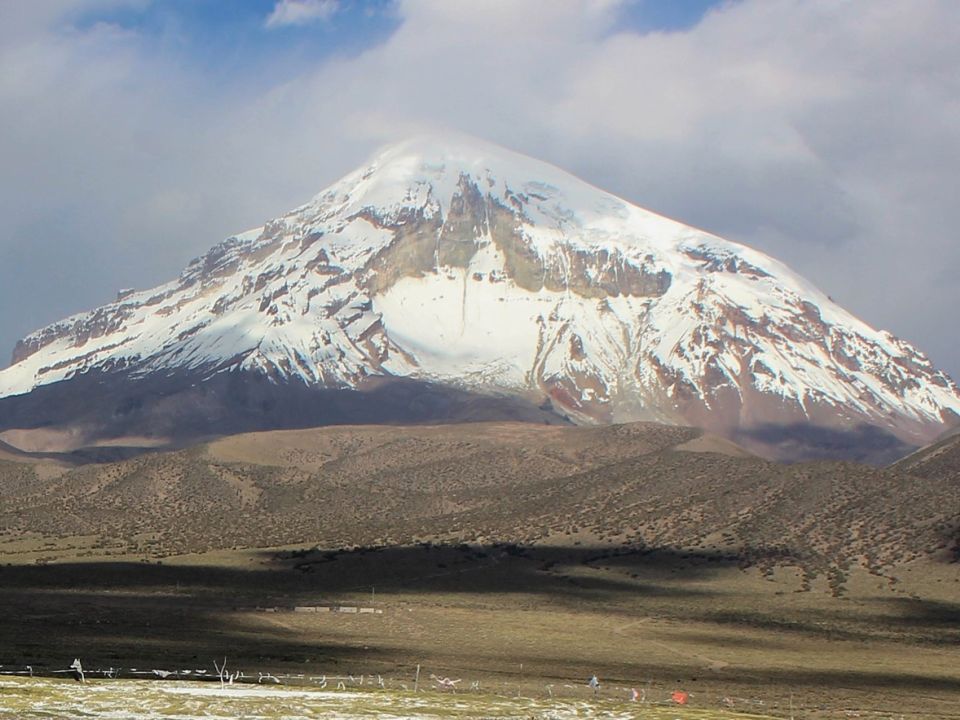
[{"x": 144, "y": 700}]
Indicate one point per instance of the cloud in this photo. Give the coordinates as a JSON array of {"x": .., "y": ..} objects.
[
  {"x": 826, "y": 134},
  {"x": 300, "y": 12}
]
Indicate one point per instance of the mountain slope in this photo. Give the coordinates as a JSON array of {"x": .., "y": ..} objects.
[
  {"x": 940, "y": 459},
  {"x": 632, "y": 485},
  {"x": 463, "y": 267}
]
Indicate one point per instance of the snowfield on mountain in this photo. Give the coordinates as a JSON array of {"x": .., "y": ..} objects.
[{"x": 464, "y": 265}]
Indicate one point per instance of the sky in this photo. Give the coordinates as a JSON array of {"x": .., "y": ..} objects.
[{"x": 135, "y": 134}]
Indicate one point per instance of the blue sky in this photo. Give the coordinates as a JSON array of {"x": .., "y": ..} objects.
[
  {"x": 135, "y": 134},
  {"x": 231, "y": 43},
  {"x": 663, "y": 15}
]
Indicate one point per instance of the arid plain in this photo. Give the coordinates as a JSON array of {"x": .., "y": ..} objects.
[{"x": 516, "y": 558}]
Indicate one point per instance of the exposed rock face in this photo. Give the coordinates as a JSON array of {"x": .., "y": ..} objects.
[
  {"x": 424, "y": 243},
  {"x": 463, "y": 265}
]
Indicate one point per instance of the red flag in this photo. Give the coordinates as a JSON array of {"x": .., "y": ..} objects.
[{"x": 680, "y": 698}]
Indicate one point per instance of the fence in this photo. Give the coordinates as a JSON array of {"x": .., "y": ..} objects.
[{"x": 448, "y": 680}]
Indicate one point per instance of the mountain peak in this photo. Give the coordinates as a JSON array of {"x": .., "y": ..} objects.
[
  {"x": 456, "y": 150},
  {"x": 440, "y": 161},
  {"x": 452, "y": 261},
  {"x": 446, "y": 145}
]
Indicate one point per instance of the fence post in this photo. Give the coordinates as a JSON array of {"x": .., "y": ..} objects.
[{"x": 416, "y": 680}]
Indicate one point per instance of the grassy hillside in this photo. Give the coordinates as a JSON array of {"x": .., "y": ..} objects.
[{"x": 638, "y": 486}]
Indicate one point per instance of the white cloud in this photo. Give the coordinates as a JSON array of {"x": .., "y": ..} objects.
[
  {"x": 300, "y": 12},
  {"x": 827, "y": 134}
]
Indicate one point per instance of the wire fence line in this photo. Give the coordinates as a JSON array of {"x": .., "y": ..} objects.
[{"x": 448, "y": 680}]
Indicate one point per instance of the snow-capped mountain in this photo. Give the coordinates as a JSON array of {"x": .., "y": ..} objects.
[{"x": 461, "y": 264}]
